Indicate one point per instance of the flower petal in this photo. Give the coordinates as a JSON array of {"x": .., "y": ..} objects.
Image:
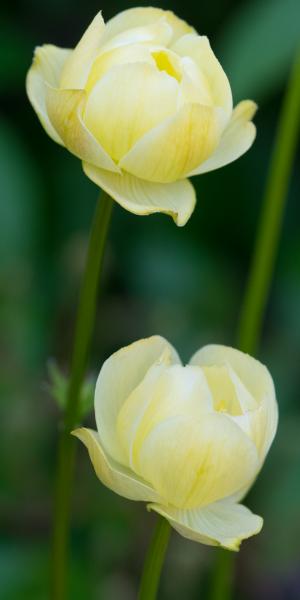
[
  {"x": 127, "y": 102},
  {"x": 246, "y": 400},
  {"x": 198, "y": 49},
  {"x": 236, "y": 139},
  {"x": 228, "y": 391},
  {"x": 250, "y": 371},
  {"x": 159, "y": 33},
  {"x": 195, "y": 461},
  {"x": 64, "y": 108},
  {"x": 179, "y": 26},
  {"x": 193, "y": 85},
  {"x": 123, "y": 55},
  {"x": 140, "y": 17},
  {"x": 166, "y": 391},
  {"x": 141, "y": 197},
  {"x": 119, "y": 376},
  {"x": 46, "y": 69},
  {"x": 76, "y": 69},
  {"x": 111, "y": 474},
  {"x": 167, "y": 152},
  {"x": 220, "y": 524},
  {"x": 257, "y": 380}
]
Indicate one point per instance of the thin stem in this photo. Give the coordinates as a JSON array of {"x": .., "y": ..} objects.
[
  {"x": 223, "y": 575},
  {"x": 262, "y": 268},
  {"x": 83, "y": 333},
  {"x": 266, "y": 247},
  {"x": 154, "y": 560}
]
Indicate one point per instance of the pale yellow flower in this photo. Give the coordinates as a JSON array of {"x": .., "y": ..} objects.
[
  {"x": 189, "y": 440},
  {"x": 144, "y": 103}
]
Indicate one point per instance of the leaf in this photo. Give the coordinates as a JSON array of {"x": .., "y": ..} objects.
[
  {"x": 58, "y": 388},
  {"x": 58, "y": 384}
]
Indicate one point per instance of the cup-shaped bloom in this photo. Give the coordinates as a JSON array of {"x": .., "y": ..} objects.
[
  {"x": 144, "y": 103},
  {"x": 189, "y": 440}
]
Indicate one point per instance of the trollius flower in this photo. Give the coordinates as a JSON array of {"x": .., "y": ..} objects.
[
  {"x": 145, "y": 104},
  {"x": 189, "y": 440}
]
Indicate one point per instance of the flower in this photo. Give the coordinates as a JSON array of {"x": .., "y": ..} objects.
[
  {"x": 188, "y": 440},
  {"x": 144, "y": 103}
]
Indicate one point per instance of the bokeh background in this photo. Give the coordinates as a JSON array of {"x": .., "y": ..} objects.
[{"x": 186, "y": 284}]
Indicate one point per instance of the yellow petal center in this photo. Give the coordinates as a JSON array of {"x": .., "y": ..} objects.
[{"x": 168, "y": 63}]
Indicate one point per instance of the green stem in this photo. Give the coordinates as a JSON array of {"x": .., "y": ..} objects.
[
  {"x": 222, "y": 581},
  {"x": 154, "y": 560},
  {"x": 266, "y": 247},
  {"x": 83, "y": 333},
  {"x": 262, "y": 268}
]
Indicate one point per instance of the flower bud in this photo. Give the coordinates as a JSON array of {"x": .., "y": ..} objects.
[
  {"x": 144, "y": 103},
  {"x": 189, "y": 440}
]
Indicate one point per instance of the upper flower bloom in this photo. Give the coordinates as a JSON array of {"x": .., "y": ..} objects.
[
  {"x": 190, "y": 440},
  {"x": 144, "y": 103}
]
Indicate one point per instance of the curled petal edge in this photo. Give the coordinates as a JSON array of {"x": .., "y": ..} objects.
[
  {"x": 236, "y": 139},
  {"x": 64, "y": 108},
  {"x": 117, "y": 478},
  {"x": 223, "y": 523},
  {"x": 177, "y": 199}
]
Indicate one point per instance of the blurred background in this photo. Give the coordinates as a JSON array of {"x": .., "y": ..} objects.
[{"x": 186, "y": 284}]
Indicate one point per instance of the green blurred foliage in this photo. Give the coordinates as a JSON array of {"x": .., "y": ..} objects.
[{"x": 185, "y": 284}]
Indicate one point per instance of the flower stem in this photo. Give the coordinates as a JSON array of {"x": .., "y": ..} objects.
[
  {"x": 266, "y": 247},
  {"x": 263, "y": 263},
  {"x": 223, "y": 573},
  {"x": 82, "y": 339},
  {"x": 154, "y": 560}
]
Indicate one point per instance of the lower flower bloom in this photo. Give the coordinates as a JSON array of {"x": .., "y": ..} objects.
[{"x": 189, "y": 440}]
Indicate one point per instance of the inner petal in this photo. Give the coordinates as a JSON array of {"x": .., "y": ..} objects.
[
  {"x": 223, "y": 391},
  {"x": 142, "y": 17},
  {"x": 126, "y": 103},
  {"x": 165, "y": 392},
  {"x": 133, "y": 53},
  {"x": 194, "y": 85},
  {"x": 198, "y": 49},
  {"x": 155, "y": 33}
]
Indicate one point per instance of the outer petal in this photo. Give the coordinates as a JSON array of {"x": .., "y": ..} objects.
[
  {"x": 168, "y": 152},
  {"x": 127, "y": 102},
  {"x": 114, "y": 476},
  {"x": 65, "y": 108},
  {"x": 138, "y": 17},
  {"x": 256, "y": 378},
  {"x": 120, "y": 374},
  {"x": 75, "y": 72},
  {"x": 220, "y": 524},
  {"x": 142, "y": 197},
  {"x": 46, "y": 69},
  {"x": 237, "y": 138},
  {"x": 193, "y": 462},
  {"x": 198, "y": 49}
]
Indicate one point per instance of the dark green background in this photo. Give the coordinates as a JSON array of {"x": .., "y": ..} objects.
[{"x": 185, "y": 284}]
